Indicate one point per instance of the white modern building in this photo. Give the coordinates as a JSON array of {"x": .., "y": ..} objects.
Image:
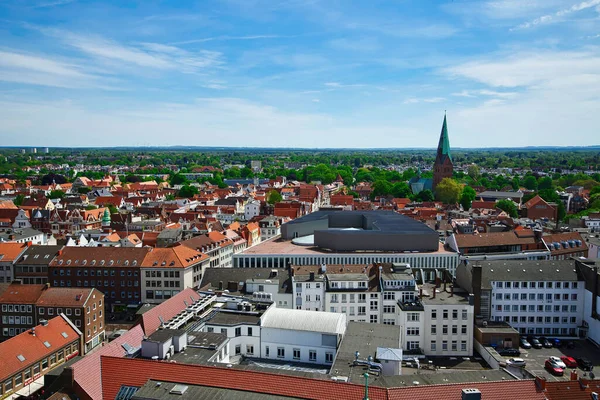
[{"x": 251, "y": 209}]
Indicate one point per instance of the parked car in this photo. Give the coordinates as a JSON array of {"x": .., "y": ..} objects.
[
  {"x": 585, "y": 364},
  {"x": 557, "y": 342},
  {"x": 569, "y": 361},
  {"x": 524, "y": 343},
  {"x": 557, "y": 361},
  {"x": 545, "y": 342},
  {"x": 516, "y": 362},
  {"x": 535, "y": 343},
  {"x": 509, "y": 352},
  {"x": 553, "y": 368}
]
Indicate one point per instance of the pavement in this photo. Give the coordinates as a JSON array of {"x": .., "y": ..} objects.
[{"x": 536, "y": 358}]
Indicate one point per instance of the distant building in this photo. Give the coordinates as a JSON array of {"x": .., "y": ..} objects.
[
  {"x": 443, "y": 166},
  {"x": 256, "y": 165}
]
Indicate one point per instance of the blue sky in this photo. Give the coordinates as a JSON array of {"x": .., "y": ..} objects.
[{"x": 299, "y": 73}]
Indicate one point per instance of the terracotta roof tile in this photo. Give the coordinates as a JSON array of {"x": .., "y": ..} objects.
[
  {"x": 173, "y": 257},
  {"x": 86, "y": 376},
  {"x": 21, "y": 294},
  {"x": 66, "y": 297},
  {"x": 167, "y": 310},
  {"x": 32, "y": 347},
  {"x": 10, "y": 252}
]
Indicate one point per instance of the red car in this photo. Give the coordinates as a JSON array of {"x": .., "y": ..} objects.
[
  {"x": 569, "y": 361},
  {"x": 554, "y": 369}
]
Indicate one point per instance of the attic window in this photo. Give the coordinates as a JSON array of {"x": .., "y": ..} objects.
[
  {"x": 21, "y": 358},
  {"x": 36, "y": 256},
  {"x": 83, "y": 262},
  {"x": 60, "y": 262},
  {"x": 76, "y": 261},
  {"x": 172, "y": 263},
  {"x": 47, "y": 256},
  {"x": 102, "y": 262},
  {"x": 155, "y": 263},
  {"x": 68, "y": 262},
  {"x": 134, "y": 262},
  {"x": 93, "y": 262},
  {"x": 64, "y": 334},
  {"x": 111, "y": 262},
  {"x": 126, "y": 262},
  {"x": 47, "y": 344},
  {"x": 163, "y": 263}
]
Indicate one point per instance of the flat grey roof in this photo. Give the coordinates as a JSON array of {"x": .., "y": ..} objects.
[
  {"x": 158, "y": 390},
  {"x": 523, "y": 270},
  {"x": 233, "y": 318},
  {"x": 163, "y": 335},
  {"x": 364, "y": 338}
]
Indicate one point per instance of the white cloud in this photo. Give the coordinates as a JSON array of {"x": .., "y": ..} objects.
[
  {"x": 415, "y": 100},
  {"x": 39, "y": 70},
  {"x": 560, "y": 13},
  {"x": 484, "y": 92}
]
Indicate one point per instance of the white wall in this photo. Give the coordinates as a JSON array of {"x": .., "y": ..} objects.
[
  {"x": 290, "y": 340},
  {"x": 593, "y": 324}
]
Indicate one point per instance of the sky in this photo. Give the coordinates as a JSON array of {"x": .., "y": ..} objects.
[{"x": 299, "y": 73}]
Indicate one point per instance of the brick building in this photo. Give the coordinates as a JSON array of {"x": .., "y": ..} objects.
[
  {"x": 32, "y": 265},
  {"x": 25, "y": 306},
  {"x": 113, "y": 270}
]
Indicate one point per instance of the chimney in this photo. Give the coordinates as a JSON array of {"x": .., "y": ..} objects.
[
  {"x": 574, "y": 376},
  {"x": 438, "y": 282},
  {"x": 33, "y": 331},
  {"x": 46, "y": 286},
  {"x": 540, "y": 382},
  {"x": 220, "y": 285},
  {"x": 434, "y": 289},
  {"x": 323, "y": 268},
  {"x": 29, "y": 243},
  {"x": 312, "y": 276},
  {"x": 470, "y": 394},
  {"x": 451, "y": 290},
  {"x": 420, "y": 293},
  {"x": 444, "y": 285},
  {"x": 292, "y": 271}
]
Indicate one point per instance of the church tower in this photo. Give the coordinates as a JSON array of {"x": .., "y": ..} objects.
[{"x": 442, "y": 168}]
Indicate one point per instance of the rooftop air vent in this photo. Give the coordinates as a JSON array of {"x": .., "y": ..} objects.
[{"x": 179, "y": 389}]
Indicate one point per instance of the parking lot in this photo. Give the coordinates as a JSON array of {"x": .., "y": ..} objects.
[{"x": 536, "y": 358}]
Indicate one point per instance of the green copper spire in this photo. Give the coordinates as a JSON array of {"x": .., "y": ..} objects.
[
  {"x": 443, "y": 150},
  {"x": 106, "y": 217}
]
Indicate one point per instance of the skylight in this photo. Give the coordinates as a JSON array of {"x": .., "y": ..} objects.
[
  {"x": 21, "y": 357},
  {"x": 47, "y": 344}
]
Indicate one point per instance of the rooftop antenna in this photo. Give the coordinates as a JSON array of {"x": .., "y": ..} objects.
[{"x": 366, "y": 386}]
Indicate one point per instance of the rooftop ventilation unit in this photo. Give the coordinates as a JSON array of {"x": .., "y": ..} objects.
[{"x": 179, "y": 389}]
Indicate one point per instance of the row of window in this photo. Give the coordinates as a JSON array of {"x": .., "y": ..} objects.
[
  {"x": 536, "y": 296},
  {"x": 160, "y": 274},
  {"x": 335, "y": 297},
  {"x": 22, "y": 308},
  {"x": 348, "y": 285},
  {"x": 308, "y": 285},
  {"x": 94, "y": 283},
  {"x": 297, "y": 354},
  {"x": 538, "y": 320},
  {"x": 160, "y": 283},
  {"x": 548, "y": 331},
  {"x": 16, "y": 320},
  {"x": 464, "y": 314},
  {"x": 539, "y": 285},
  {"x": 536, "y": 308},
  {"x": 159, "y": 294},
  {"x": 94, "y": 272},
  {"x": 454, "y": 329},
  {"x": 453, "y": 345}
]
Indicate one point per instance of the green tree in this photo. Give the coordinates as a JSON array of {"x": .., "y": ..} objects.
[
  {"x": 188, "y": 191},
  {"x": 178, "y": 179},
  {"x": 424, "y": 195},
  {"x": 381, "y": 188},
  {"x": 19, "y": 199},
  {"x": 448, "y": 191},
  {"x": 473, "y": 172},
  {"x": 84, "y": 190},
  {"x": 545, "y": 183},
  {"x": 400, "y": 190},
  {"x": 56, "y": 194},
  {"x": 274, "y": 197},
  {"x": 508, "y": 206},
  {"x": 467, "y": 197},
  {"x": 530, "y": 182}
]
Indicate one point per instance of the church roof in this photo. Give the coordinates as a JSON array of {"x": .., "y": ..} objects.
[{"x": 443, "y": 150}]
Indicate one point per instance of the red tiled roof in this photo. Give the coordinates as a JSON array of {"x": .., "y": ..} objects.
[
  {"x": 565, "y": 237},
  {"x": 21, "y": 294},
  {"x": 136, "y": 372},
  {"x": 572, "y": 390},
  {"x": 86, "y": 376},
  {"x": 66, "y": 297},
  {"x": 100, "y": 256},
  {"x": 10, "y": 252},
  {"x": 32, "y": 347},
  {"x": 167, "y": 310},
  {"x": 173, "y": 257}
]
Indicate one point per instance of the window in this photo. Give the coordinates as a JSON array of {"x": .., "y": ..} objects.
[
  {"x": 77, "y": 311},
  {"x": 329, "y": 358},
  {"x": 238, "y": 332},
  {"x": 574, "y": 296},
  {"x": 41, "y": 310},
  {"x": 51, "y": 311},
  {"x": 280, "y": 352},
  {"x": 445, "y": 314},
  {"x": 433, "y": 345},
  {"x": 433, "y": 314},
  {"x": 238, "y": 349},
  {"x": 412, "y": 331},
  {"x": 454, "y": 329},
  {"x": 454, "y": 345},
  {"x": 266, "y": 351},
  {"x": 249, "y": 331},
  {"x": 464, "y": 315},
  {"x": 388, "y": 309},
  {"x": 463, "y": 329},
  {"x": 210, "y": 329},
  {"x": 296, "y": 354},
  {"x": 444, "y": 329},
  {"x": 454, "y": 314},
  {"x": 249, "y": 349},
  {"x": 444, "y": 345},
  {"x": 413, "y": 317},
  {"x": 463, "y": 345},
  {"x": 312, "y": 355}
]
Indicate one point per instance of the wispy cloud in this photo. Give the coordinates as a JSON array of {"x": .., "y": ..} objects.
[
  {"x": 415, "y": 100},
  {"x": 484, "y": 92},
  {"x": 558, "y": 14},
  {"x": 225, "y": 38},
  {"x": 149, "y": 55},
  {"x": 52, "y": 3},
  {"x": 40, "y": 70}
]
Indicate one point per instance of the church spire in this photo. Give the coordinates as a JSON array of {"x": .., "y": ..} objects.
[{"x": 443, "y": 149}]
